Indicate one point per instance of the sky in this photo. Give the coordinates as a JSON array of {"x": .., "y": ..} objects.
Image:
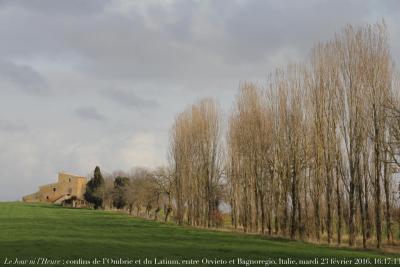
[{"x": 86, "y": 83}]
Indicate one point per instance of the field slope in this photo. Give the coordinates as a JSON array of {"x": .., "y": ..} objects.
[{"x": 31, "y": 231}]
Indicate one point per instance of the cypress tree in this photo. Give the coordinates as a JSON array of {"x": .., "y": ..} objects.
[
  {"x": 91, "y": 187},
  {"x": 120, "y": 185}
]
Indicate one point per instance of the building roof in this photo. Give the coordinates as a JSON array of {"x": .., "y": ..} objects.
[
  {"x": 48, "y": 185},
  {"x": 70, "y": 174}
]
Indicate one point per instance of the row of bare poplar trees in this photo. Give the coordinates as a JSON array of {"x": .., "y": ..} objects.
[
  {"x": 312, "y": 155},
  {"x": 196, "y": 155}
]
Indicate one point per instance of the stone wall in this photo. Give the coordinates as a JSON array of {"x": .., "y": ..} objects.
[{"x": 67, "y": 185}]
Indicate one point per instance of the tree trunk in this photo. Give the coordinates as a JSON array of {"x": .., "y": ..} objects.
[
  {"x": 386, "y": 185},
  {"x": 352, "y": 211},
  {"x": 339, "y": 208}
]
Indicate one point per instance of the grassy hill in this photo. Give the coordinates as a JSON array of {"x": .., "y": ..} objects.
[{"x": 33, "y": 231}]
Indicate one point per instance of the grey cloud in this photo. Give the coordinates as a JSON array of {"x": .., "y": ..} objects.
[
  {"x": 23, "y": 77},
  {"x": 129, "y": 98},
  {"x": 12, "y": 127},
  {"x": 191, "y": 41},
  {"x": 71, "y": 7},
  {"x": 145, "y": 50},
  {"x": 258, "y": 29},
  {"x": 182, "y": 42},
  {"x": 89, "y": 113}
]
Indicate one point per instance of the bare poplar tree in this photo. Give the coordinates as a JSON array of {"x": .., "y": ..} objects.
[{"x": 196, "y": 157}]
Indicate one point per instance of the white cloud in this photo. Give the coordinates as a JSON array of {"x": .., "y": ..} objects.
[{"x": 142, "y": 149}]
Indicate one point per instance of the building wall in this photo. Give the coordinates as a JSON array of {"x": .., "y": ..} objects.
[
  {"x": 67, "y": 185},
  {"x": 32, "y": 197},
  {"x": 47, "y": 194}
]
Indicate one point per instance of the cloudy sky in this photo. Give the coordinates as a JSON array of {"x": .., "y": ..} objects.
[{"x": 86, "y": 83}]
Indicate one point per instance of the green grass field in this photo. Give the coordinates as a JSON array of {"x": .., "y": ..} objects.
[{"x": 33, "y": 231}]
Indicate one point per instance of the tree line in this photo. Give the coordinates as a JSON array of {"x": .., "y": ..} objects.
[
  {"x": 311, "y": 155},
  {"x": 142, "y": 192},
  {"x": 315, "y": 152}
]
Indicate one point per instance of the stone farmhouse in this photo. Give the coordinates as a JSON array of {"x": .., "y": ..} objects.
[{"x": 68, "y": 186}]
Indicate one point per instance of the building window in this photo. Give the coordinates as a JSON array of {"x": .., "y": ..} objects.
[
  {"x": 47, "y": 197},
  {"x": 69, "y": 179},
  {"x": 54, "y": 189}
]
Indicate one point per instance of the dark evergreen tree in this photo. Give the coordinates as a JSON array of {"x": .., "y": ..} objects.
[
  {"x": 120, "y": 185},
  {"x": 91, "y": 188}
]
